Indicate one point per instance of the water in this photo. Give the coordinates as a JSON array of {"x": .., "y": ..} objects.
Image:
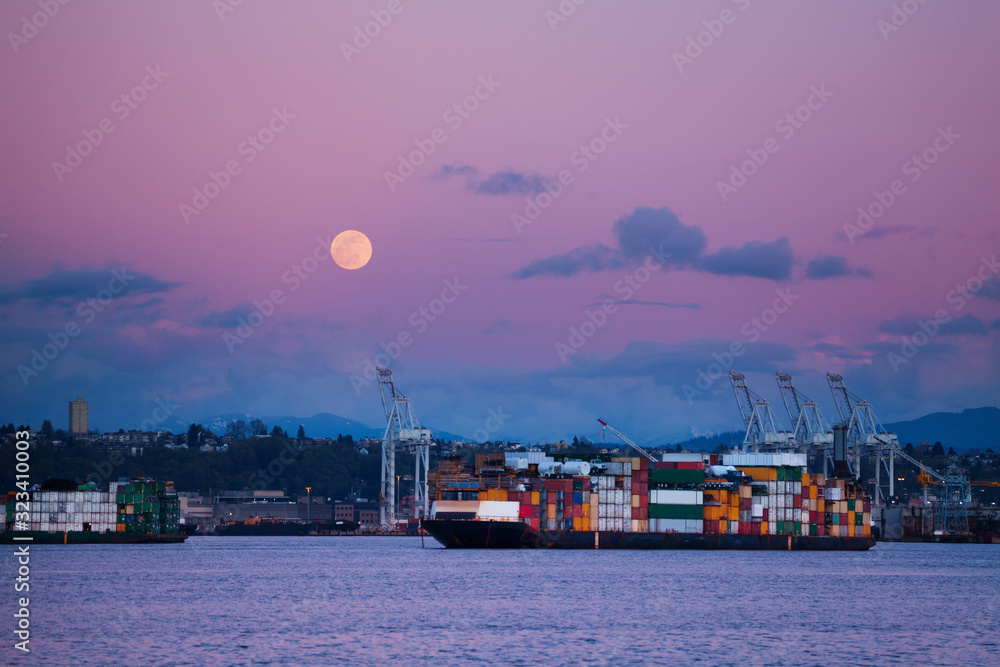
[{"x": 325, "y": 601}]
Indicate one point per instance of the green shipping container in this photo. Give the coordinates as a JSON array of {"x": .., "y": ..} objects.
[
  {"x": 836, "y": 519},
  {"x": 676, "y": 512},
  {"x": 797, "y": 527},
  {"x": 850, "y": 505},
  {"x": 813, "y": 530},
  {"x": 859, "y": 519},
  {"x": 670, "y": 476}
]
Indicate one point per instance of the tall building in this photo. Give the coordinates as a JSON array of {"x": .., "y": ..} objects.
[{"x": 78, "y": 416}]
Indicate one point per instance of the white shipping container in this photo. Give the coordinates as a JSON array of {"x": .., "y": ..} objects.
[
  {"x": 832, "y": 493},
  {"x": 757, "y": 511},
  {"x": 675, "y": 497}
]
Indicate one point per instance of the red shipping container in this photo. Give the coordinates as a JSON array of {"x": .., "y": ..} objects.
[
  {"x": 524, "y": 512},
  {"x": 765, "y": 514},
  {"x": 797, "y": 500},
  {"x": 665, "y": 465},
  {"x": 713, "y": 459},
  {"x": 690, "y": 465},
  {"x": 745, "y": 504},
  {"x": 643, "y": 513},
  {"x": 867, "y": 506},
  {"x": 534, "y": 523},
  {"x": 534, "y": 511},
  {"x": 578, "y": 511},
  {"x": 643, "y": 476}
]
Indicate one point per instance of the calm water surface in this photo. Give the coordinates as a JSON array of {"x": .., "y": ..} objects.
[{"x": 326, "y": 601}]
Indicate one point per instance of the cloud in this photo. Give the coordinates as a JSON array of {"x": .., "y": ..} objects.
[
  {"x": 683, "y": 246},
  {"x": 503, "y": 182},
  {"x": 908, "y": 325},
  {"x": 755, "y": 258},
  {"x": 224, "y": 319},
  {"x": 659, "y": 228},
  {"x": 500, "y": 326},
  {"x": 996, "y": 325},
  {"x": 991, "y": 288},
  {"x": 832, "y": 266},
  {"x": 585, "y": 258},
  {"x": 636, "y": 302},
  {"x": 966, "y": 324},
  {"x": 62, "y": 287}
]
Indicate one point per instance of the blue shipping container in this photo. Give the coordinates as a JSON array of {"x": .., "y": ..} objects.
[{"x": 578, "y": 497}]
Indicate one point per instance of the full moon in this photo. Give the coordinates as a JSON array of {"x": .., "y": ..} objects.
[{"x": 351, "y": 249}]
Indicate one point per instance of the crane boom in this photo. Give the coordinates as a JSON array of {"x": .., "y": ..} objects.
[{"x": 626, "y": 440}]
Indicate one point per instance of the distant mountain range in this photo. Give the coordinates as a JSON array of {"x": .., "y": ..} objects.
[{"x": 975, "y": 428}]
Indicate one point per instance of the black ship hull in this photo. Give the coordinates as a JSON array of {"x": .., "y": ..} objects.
[
  {"x": 472, "y": 534},
  {"x": 85, "y": 537}
]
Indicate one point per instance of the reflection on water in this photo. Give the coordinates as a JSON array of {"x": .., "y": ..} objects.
[{"x": 321, "y": 601}]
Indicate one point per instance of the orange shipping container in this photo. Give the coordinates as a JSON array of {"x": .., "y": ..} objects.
[
  {"x": 577, "y": 524},
  {"x": 585, "y": 523},
  {"x": 534, "y": 497}
]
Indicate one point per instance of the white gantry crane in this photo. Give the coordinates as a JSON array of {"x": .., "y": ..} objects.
[
  {"x": 762, "y": 430},
  {"x": 402, "y": 432},
  {"x": 865, "y": 432}
]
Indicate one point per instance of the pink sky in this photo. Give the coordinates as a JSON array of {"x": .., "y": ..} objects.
[{"x": 496, "y": 344}]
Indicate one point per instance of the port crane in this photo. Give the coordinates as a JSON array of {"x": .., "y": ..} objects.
[
  {"x": 953, "y": 499},
  {"x": 865, "y": 432},
  {"x": 761, "y": 425},
  {"x": 627, "y": 440},
  {"x": 402, "y": 432}
]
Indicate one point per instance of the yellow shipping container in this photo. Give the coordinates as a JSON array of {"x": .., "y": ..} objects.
[
  {"x": 585, "y": 522},
  {"x": 820, "y": 505},
  {"x": 550, "y": 511},
  {"x": 850, "y": 518},
  {"x": 850, "y": 529},
  {"x": 734, "y": 514},
  {"x": 496, "y": 494},
  {"x": 812, "y": 492},
  {"x": 577, "y": 523},
  {"x": 866, "y": 530},
  {"x": 635, "y": 501},
  {"x": 763, "y": 527},
  {"x": 482, "y": 496},
  {"x": 723, "y": 525},
  {"x": 534, "y": 497}
]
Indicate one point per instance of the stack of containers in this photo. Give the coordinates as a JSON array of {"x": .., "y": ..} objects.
[
  {"x": 716, "y": 508},
  {"x": 676, "y": 500},
  {"x": 529, "y": 499},
  {"x": 614, "y": 497},
  {"x": 640, "y": 494},
  {"x": 147, "y": 507}
]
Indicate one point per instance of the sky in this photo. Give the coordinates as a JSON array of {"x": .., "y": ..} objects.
[{"x": 575, "y": 211}]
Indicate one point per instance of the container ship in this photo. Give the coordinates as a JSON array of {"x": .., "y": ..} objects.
[
  {"x": 140, "y": 511},
  {"x": 686, "y": 501}
]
